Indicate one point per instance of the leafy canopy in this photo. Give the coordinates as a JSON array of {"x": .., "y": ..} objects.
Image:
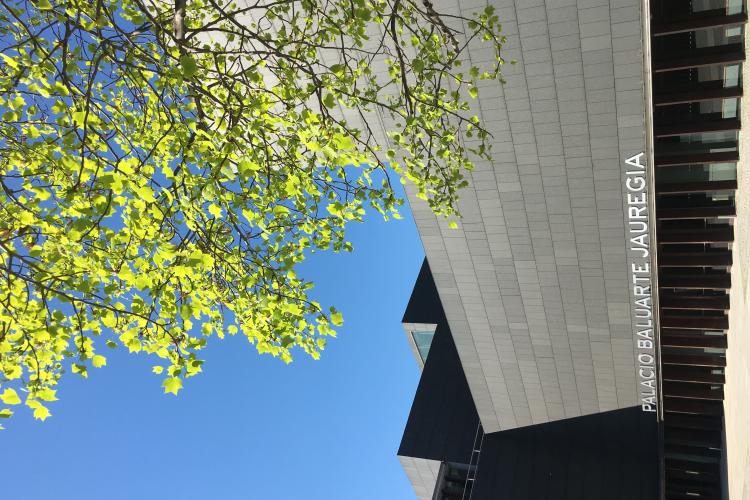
[{"x": 166, "y": 167}]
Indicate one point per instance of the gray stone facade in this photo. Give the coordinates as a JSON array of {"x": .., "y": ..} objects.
[{"x": 535, "y": 283}]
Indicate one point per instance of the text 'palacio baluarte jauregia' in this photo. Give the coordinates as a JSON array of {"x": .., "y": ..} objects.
[{"x": 639, "y": 246}]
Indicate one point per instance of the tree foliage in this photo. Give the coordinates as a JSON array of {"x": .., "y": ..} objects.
[{"x": 166, "y": 167}]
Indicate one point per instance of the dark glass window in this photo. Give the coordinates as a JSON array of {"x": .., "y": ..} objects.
[
  {"x": 423, "y": 341},
  {"x": 697, "y": 173}
]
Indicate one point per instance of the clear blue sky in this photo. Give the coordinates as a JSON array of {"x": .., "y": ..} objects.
[{"x": 249, "y": 427}]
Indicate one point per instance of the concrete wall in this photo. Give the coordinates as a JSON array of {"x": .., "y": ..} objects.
[
  {"x": 423, "y": 475},
  {"x": 534, "y": 283}
]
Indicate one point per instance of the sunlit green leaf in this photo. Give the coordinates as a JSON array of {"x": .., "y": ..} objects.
[
  {"x": 172, "y": 385},
  {"x": 337, "y": 319},
  {"x": 10, "y": 397}
]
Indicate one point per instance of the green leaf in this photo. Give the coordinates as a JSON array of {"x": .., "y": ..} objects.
[
  {"x": 109, "y": 319},
  {"x": 9, "y": 61},
  {"x": 79, "y": 118},
  {"x": 280, "y": 210},
  {"x": 41, "y": 413},
  {"x": 215, "y": 210},
  {"x": 46, "y": 395},
  {"x": 43, "y": 5},
  {"x": 344, "y": 142},
  {"x": 172, "y": 385},
  {"x": 473, "y": 92},
  {"x": 157, "y": 369},
  {"x": 82, "y": 370},
  {"x": 337, "y": 318},
  {"x": 329, "y": 101},
  {"x": 10, "y": 397},
  {"x": 189, "y": 65},
  {"x": 286, "y": 341},
  {"x": 98, "y": 361},
  {"x": 6, "y": 413}
]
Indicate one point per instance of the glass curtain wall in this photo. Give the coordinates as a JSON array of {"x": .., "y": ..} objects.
[{"x": 697, "y": 55}]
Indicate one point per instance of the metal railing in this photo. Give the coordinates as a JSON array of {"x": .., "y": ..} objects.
[{"x": 471, "y": 473}]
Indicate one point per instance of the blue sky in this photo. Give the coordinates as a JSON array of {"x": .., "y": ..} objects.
[{"x": 249, "y": 427}]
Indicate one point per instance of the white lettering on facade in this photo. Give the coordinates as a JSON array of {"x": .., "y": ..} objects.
[{"x": 640, "y": 268}]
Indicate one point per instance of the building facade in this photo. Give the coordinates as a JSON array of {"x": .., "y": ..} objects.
[{"x": 581, "y": 333}]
